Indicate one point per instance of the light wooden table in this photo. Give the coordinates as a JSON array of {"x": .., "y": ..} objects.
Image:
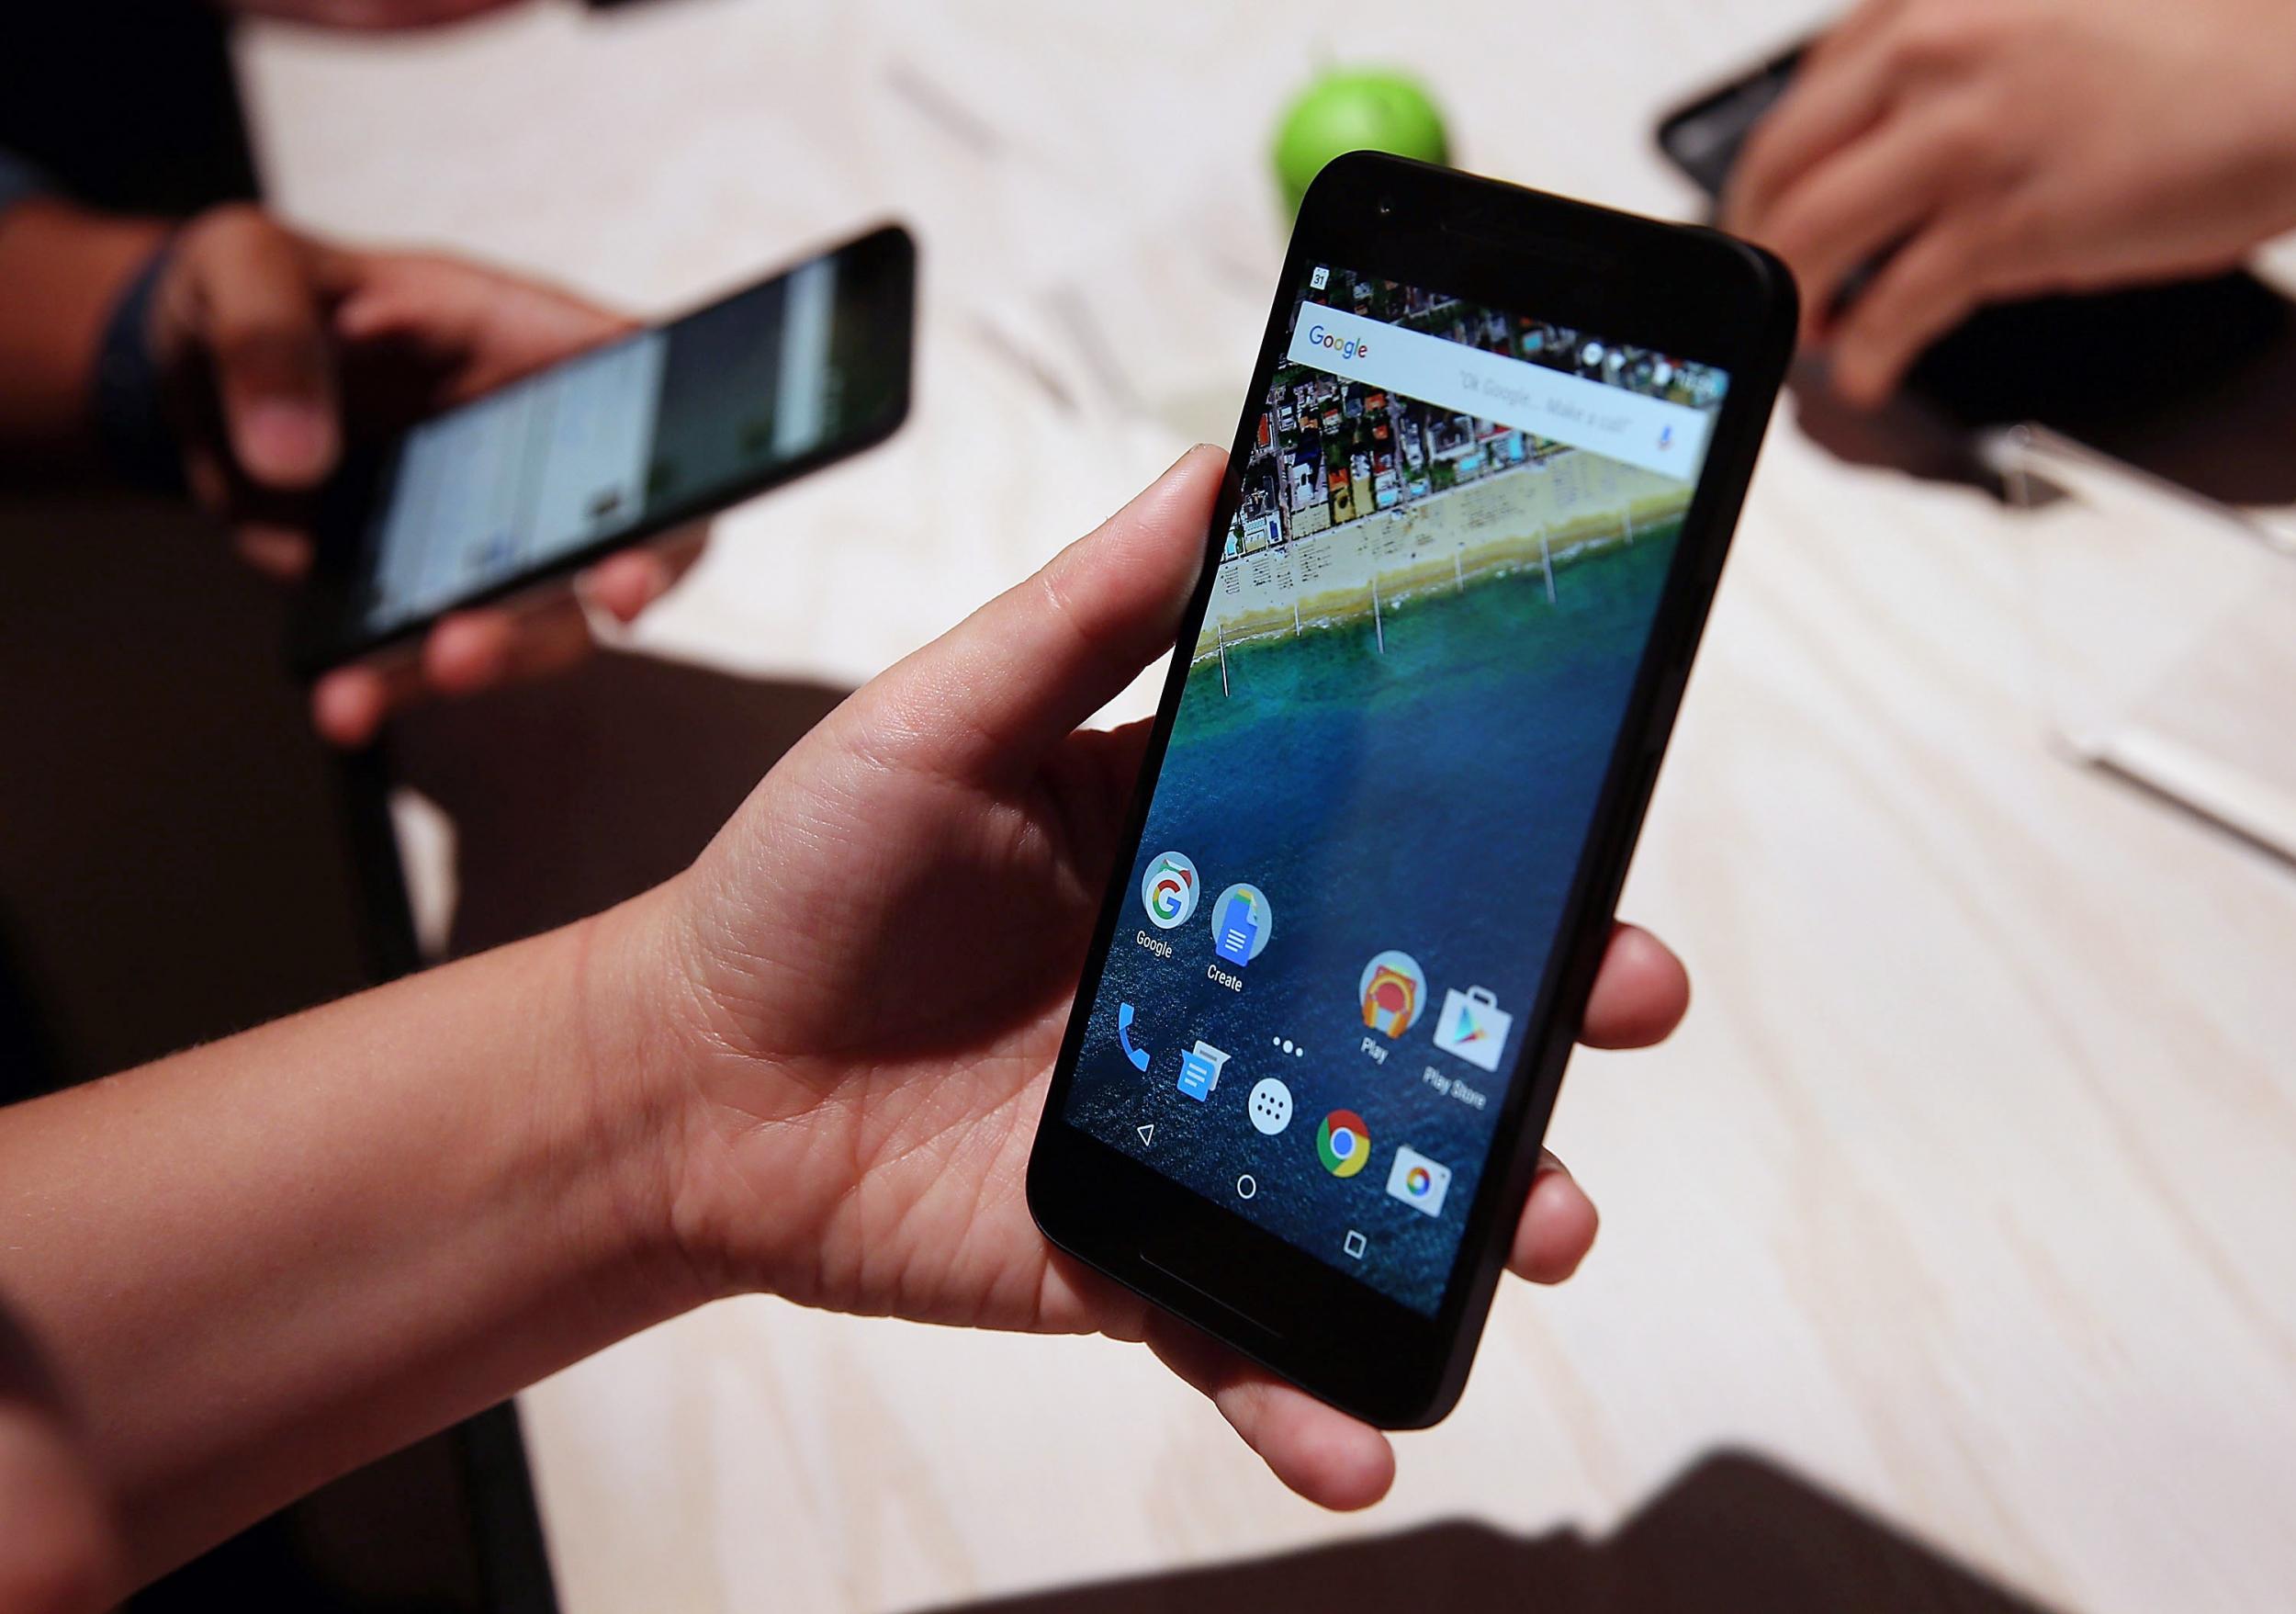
[{"x": 1968, "y": 1191}]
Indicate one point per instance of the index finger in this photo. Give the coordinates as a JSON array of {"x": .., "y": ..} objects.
[{"x": 255, "y": 298}]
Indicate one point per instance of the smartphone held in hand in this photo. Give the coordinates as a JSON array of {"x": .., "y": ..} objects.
[{"x": 1475, "y": 511}]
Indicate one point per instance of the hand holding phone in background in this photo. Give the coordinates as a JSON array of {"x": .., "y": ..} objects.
[
  {"x": 1998, "y": 149},
  {"x": 274, "y": 349}
]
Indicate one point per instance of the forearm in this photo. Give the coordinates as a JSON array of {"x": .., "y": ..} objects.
[
  {"x": 62, "y": 271},
  {"x": 256, "y": 1264}
]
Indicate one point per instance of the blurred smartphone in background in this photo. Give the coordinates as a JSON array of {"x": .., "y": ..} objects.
[{"x": 521, "y": 488}]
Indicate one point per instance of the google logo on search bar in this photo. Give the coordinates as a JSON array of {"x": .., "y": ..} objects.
[
  {"x": 1653, "y": 433},
  {"x": 1346, "y": 346}
]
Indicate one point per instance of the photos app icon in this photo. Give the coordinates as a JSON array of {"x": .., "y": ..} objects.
[
  {"x": 1419, "y": 1182},
  {"x": 1169, "y": 890}
]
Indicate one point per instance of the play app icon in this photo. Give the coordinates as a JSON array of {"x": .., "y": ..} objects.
[
  {"x": 1473, "y": 1026},
  {"x": 1393, "y": 990}
]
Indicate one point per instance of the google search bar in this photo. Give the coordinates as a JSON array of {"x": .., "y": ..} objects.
[{"x": 1668, "y": 438}]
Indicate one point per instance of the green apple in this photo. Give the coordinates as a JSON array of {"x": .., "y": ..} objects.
[{"x": 1355, "y": 110}]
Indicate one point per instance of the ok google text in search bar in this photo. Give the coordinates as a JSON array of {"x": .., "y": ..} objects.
[{"x": 1668, "y": 438}]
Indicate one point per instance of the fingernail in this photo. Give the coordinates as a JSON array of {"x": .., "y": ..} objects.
[{"x": 284, "y": 439}]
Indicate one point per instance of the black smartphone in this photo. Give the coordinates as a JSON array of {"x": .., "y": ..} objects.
[
  {"x": 1475, "y": 511},
  {"x": 2081, "y": 362},
  {"x": 540, "y": 478}
]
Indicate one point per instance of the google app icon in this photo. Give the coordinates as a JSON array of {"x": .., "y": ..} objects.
[{"x": 1169, "y": 890}]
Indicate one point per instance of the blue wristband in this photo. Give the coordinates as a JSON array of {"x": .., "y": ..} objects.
[{"x": 132, "y": 424}]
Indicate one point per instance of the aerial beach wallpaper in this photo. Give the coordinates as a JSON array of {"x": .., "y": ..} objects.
[{"x": 1398, "y": 715}]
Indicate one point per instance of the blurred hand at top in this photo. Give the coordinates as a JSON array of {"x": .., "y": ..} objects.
[
  {"x": 276, "y": 349},
  {"x": 1997, "y": 149}
]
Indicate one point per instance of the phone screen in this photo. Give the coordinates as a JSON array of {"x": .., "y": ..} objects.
[
  {"x": 670, "y": 421},
  {"x": 1454, "y": 529}
]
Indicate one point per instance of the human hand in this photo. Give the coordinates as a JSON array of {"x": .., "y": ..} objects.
[
  {"x": 873, "y": 964},
  {"x": 276, "y": 349},
  {"x": 1997, "y": 149}
]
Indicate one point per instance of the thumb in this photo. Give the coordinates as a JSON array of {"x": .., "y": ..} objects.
[
  {"x": 1025, "y": 670},
  {"x": 260, "y": 321}
]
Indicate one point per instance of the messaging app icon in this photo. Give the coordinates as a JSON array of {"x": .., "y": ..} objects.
[
  {"x": 1240, "y": 923},
  {"x": 1473, "y": 1026},
  {"x": 1199, "y": 1070},
  {"x": 1343, "y": 1142}
]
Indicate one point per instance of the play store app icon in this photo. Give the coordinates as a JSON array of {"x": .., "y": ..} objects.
[{"x": 1473, "y": 1026}]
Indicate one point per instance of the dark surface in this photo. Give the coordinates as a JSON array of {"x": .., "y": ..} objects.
[
  {"x": 1735, "y": 1535},
  {"x": 570, "y": 795},
  {"x": 130, "y": 103},
  {"x": 178, "y": 861},
  {"x": 2226, "y": 439}
]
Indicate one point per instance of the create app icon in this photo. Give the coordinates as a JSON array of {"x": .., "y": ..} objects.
[
  {"x": 1343, "y": 1142},
  {"x": 1242, "y": 922},
  {"x": 1169, "y": 890},
  {"x": 1393, "y": 988}
]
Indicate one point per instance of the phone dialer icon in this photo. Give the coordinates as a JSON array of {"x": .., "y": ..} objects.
[{"x": 1139, "y": 1056}]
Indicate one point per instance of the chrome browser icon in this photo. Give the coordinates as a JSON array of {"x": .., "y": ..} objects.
[
  {"x": 1343, "y": 1142},
  {"x": 1169, "y": 890}
]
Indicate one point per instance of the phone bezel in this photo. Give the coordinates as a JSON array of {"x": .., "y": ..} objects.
[
  {"x": 1685, "y": 290},
  {"x": 328, "y": 630}
]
